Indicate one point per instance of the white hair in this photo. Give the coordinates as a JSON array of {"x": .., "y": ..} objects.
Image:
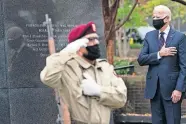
[{"x": 165, "y": 9}]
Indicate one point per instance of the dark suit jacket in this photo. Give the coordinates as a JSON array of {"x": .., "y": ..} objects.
[
  {"x": 170, "y": 70},
  {"x": 25, "y": 69}
]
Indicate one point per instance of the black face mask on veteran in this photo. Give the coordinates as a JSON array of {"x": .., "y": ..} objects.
[{"x": 93, "y": 52}]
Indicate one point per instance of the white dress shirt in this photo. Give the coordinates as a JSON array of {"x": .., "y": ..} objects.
[{"x": 166, "y": 32}]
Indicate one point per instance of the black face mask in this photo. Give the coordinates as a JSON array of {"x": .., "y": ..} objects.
[
  {"x": 93, "y": 52},
  {"x": 15, "y": 44},
  {"x": 158, "y": 23}
]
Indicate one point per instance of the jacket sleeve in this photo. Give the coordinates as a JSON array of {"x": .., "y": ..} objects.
[
  {"x": 52, "y": 72},
  {"x": 114, "y": 96},
  {"x": 146, "y": 58},
  {"x": 182, "y": 63}
]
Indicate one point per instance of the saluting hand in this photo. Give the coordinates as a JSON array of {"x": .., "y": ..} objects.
[{"x": 76, "y": 45}]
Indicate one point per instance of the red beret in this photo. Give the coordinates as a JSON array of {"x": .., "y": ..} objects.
[{"x": 81, "y": 30}]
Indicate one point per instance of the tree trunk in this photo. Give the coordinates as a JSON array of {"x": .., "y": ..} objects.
[
  {"x": 109, "y": 14},
  {"x": 120, "y": 42},
  {"x": 110, "y": 48},
  {"x": 126, "y": 46},
  {"x": 110, "y": 52}
]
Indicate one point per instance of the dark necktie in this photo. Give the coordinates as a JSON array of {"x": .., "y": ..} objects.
[
  {"x": 12, "y": 60},
  {"x": 162, "y": 40}
]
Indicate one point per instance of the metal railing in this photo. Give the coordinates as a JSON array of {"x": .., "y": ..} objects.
[{"x": 124, "y": 67}]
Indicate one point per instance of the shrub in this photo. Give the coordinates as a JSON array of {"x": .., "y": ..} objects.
[{"x": 121, "y": 62}]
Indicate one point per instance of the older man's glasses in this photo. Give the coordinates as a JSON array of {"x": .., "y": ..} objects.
[{"x": 92, "y": 38}]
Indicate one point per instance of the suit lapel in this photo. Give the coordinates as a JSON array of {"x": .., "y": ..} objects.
[
  {"x": 156, "y": 40},
  {"x": 170, "y": 37}
]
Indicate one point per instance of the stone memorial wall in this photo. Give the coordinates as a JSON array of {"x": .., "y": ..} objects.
[{"x": 24, "y": 47}]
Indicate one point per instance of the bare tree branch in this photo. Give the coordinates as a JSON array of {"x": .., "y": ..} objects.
[
  {"x": 113, "y": 18},
  {"x": 114, "y": 4},
  {"x": 127, "y": 17},
  {"x": 106, "y": 15},
  {"x": 105, "y": 6},
  {"x": 180, "y": 1}
]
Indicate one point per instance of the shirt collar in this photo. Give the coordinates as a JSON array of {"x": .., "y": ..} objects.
[
  {"x": 166, "y": 31},
  {"x": 83, "y": 63}
]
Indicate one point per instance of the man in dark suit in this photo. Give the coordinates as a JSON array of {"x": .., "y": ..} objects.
[
  {"x": 23, "y": 62},
  {"x": 164, "y": 51}
]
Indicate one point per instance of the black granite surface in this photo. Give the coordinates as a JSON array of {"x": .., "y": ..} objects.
[
  {"x": 32, "y": 106},
  {"x": 23, "y": 98},
  {"x": 4, "y": 107}
]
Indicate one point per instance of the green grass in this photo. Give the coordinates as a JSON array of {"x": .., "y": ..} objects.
[{"x": 136, "y": 46}]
